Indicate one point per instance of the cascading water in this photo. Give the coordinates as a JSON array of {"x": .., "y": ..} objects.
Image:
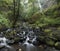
[
  {"x": 28, "y": 45},
  {"x": 26, "y": 42},
  {"x": 40, "y": 6},
  {"x": 34, "y": 39},
  {"x": 3, "y": 42}
]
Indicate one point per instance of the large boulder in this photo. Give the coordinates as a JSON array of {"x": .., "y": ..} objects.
[{"x": 49, "y": 42}]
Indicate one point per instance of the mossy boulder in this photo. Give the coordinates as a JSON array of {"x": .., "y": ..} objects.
[
  {"x": 57, "y": 45},
  {"x": 58, "y": 28},
  {"x": 16, "y": 39},
  {"x": 49, "y": 42}
]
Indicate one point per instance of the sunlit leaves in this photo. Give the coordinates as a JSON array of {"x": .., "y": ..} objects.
[{"x": 4, "y": 20}]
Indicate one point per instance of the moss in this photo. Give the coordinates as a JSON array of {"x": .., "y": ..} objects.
[
  {"x": 50, "y": 42},
  {"x": 50, "y": 34},
  {"x": 47, "y": 30},
  {"x": 58, "y": 28},
  {"x": 41, "y": 38},
  {"x": 57, "y": 45},
  {"x": 16, "y": 39}
]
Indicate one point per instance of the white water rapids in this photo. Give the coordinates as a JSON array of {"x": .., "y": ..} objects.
[{"x": 3, "y": 41}]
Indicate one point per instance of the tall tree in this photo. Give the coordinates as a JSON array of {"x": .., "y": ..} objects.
[
  {"x": 14, "y": 12},
  {"x": 16, "y": 15}
]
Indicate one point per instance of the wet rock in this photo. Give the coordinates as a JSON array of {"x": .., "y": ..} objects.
[
  {"x": 37, "y": 43},
  {"x": 3, "y": 28},
  {"x": 16, "y": 39},
  {"x": 40, "y": 38},
  {"x": 7, "y": 49},
  {"x": 10, "y": 42},
  {"x": 2, "y": 46},
  {"x": 29, "y": 41},
  {"x": 57, "y": 36},
  {"x": 22, "y": 39},
  {"x": 8, "y": 30},
  {"x": 51, "y": 49},
  {"x": 1, "y": 34},
  {"x": 49, "y": 42}
]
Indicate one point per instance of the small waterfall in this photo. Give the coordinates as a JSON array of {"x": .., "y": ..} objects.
[
  {"x": 34, "y": 39},
  {"x": 3, "y": 42},
  {"x": 26, "y": 42},
  {"x": 24, "y": 32},
  {"x": 40, "y": 6},
  {"x": 28, "y": 46}
]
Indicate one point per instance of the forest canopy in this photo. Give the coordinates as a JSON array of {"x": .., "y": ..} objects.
[{"x": 29, "y": 10}]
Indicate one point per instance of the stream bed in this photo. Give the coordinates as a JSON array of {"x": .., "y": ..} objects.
[
  {"x": 28, "y": 43},
  {"x": 25, "y": 46}
]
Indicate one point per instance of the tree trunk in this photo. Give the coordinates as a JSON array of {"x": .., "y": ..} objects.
[{"x": 16, "y": 15}]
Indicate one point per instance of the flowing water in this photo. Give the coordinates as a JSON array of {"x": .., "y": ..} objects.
[
  {"x": 3, "y": 41},
  {"x": 4, "y": 46},
  {"x": 27, "y": 45}
]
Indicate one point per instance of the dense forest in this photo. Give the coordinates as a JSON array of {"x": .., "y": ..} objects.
[{"x": 29, "y": 25}]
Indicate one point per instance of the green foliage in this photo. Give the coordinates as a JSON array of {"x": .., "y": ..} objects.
[
  {"x": 54, "y": 10},
  {"x": 4, "y": 21},
  {"x": 5, "y": 7},
  {"x": 53, "y": 15},
  {"x": 30, "y": 12},
  {"x": 50, "y": 16}
]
